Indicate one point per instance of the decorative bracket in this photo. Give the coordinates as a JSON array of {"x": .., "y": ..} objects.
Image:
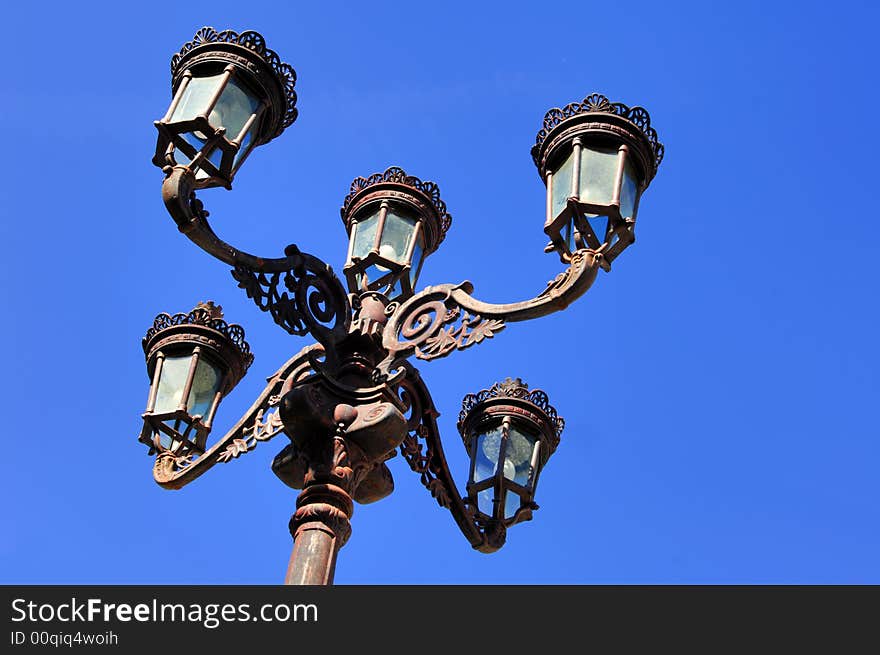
[
  {"x": 300, "y": 291},
  {"x": 422, "y": 449},
  {"x": 444, "y": 318}
]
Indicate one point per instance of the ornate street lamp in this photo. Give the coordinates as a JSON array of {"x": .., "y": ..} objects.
[
  {"x": 230, "y": 95},
  {"x": 510, "y": 433},
  {"x": 193, "y": 361},
  {"x": 352, "y": 399},
  {"x": 596, "y": 159}
]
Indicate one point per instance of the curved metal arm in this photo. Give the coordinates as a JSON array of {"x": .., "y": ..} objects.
[
  {"x": 317, "y": 302},
  {"x": 444, "y": 318},
  {"x": 431, "y": 465},
  {"x": 260, "y": 423}
]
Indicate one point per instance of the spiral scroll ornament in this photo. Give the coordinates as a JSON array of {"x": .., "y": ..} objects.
[{"x": 306, "y": 298}]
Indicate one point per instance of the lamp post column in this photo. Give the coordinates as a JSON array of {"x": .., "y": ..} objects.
[
  {"x": 320, "y": 527},
  {"x": 332, "y": 468}
]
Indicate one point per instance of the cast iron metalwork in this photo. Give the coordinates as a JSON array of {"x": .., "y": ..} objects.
[{"x": 352, "y": 400}]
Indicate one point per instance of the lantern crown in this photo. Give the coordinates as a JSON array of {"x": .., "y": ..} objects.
[
  {"x": 207, "y": 318},
  {"x": 504, "y": 391}
]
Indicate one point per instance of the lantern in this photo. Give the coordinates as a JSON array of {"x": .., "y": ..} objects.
[
  {"x": 509, "y": 433},
  {"x": 394, "y": 221},
  {"x": 596, "y": 159},
  {"x": 230, "y": 94},
  {"x": 193, "y": 360}
]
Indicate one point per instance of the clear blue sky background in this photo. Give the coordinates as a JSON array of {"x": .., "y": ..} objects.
[{"x": 720, "y": 385}]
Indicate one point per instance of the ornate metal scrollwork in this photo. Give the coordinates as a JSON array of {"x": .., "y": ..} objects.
[
  {"x": 306, "y": 298},
  {"x": 445, "y": 318},
  {"x": 300, "y": 291},
  {"x": 422, "y": 449}
]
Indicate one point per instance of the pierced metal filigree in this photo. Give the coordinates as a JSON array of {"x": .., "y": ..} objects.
[
  {"x": 422, "y": 449},
  {"x": 596, "y": 102},
  {"x": 255, "y": 42},
  {"x": 207, "y": 315},
  {"x": 513, "y": 388},
  {"x": 306, "y": 298}
]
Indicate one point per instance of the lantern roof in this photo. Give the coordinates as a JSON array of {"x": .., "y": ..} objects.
[
  {"x": 506, "y": 390},
  {"x": 205, "y": 315}
]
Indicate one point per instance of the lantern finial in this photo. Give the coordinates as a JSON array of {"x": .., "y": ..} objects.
[{"x": 213, "y": 310}]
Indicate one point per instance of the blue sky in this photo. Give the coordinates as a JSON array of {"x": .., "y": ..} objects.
[{"x": 719, "y": 386}]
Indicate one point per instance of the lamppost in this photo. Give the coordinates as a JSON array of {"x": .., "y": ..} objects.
[{"x": 352, "y": 399}]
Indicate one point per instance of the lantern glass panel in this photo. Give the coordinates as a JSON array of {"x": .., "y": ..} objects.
[
  {"x": 629, "y": 191},
  {"x": 487, "y": 448},
  {"x": 196, "y": 96},
  {"x": 167, "y": 442},
  {"x": 233, "y": 109},
  {"x": 517, "y": 465},
  {"x": 245, "y": 146},
  {"x": 511, "y": 503},
  {"x": 197, "y": 142},
  {"x": 396, "y": 236},
  {"x": 416, "y": 265},
  {"x": 561, "y": 185},
  {"x": 206, "y": 384},
  {"x": 364, "y": 236},
  {"x": 599, "y": 225},
  {"x": 518, "y": 455},
  {"x": 171, "y": 382},
  {"x": 377, "y": 272},
  {"x": 598, "y": 175}
]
